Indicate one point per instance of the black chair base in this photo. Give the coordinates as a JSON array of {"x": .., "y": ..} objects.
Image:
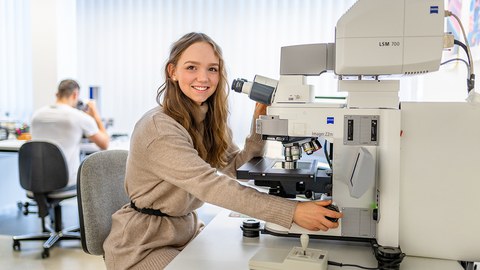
[{"x": 50, "y": 238}]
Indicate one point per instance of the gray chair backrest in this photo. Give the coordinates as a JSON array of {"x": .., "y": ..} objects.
[
  {"x": 42, "y": 167},
  {"x": 100, "y": 193}
]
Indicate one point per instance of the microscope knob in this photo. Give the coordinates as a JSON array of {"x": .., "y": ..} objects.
[
  {"x": 251, "y": 228},
  {"x": 304, "y": 239},
  {"x": 333, "y": 208},
  {"x": 375, "y": 214}
]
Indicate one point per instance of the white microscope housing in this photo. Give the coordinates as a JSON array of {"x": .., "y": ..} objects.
[{"x": 375, "y": 39}]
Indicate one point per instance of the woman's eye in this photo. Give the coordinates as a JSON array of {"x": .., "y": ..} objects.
[
  {"x": 213, "y": 69},
  {"x": 191, "y": 67}
]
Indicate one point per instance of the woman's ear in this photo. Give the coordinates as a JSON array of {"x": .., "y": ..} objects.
[{"x": 171, "y": 71}]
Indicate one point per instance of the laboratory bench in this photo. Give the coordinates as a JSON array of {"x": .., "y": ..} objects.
[{"x": 221, "y": 245}]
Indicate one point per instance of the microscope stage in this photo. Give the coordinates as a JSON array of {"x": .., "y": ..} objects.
[{"x": 273, "y": 169}]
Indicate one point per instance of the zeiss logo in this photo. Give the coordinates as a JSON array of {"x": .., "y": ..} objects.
[
  {"x": 330, "y": 120},
  {"x": 433, "y": 9}
]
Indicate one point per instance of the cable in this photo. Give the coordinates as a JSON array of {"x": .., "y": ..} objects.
[
  {"x": 469, "y": 54},
  {"x": 455, "y": 59},
  {"x": 471, "y": 77},
  {"x": 351, "y": 265},
  {"x": 464, "y": 47}
]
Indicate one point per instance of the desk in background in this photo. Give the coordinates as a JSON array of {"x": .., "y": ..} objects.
[
  {"x": 221, "y": 246},
  {"x": 10, "y": 145},
  {"x": 118, "y": 142},
  {"x": 9, "y": 180}
]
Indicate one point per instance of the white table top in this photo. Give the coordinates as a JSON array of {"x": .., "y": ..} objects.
[
  {"x": 11, "y": 145},
  {"x": 89, "y": 147},
  {"x": 221, "y": 246}
]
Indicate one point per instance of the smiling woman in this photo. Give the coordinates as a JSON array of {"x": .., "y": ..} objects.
[
  {"x": 197, "y": 72},
  {"x": 195, "y": 69},
  {"x": 176, "y": 153}
]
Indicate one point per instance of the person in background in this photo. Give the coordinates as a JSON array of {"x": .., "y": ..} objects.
[
  {"x": 176, "y": 152},
  {"x": 65, "y": 125}
]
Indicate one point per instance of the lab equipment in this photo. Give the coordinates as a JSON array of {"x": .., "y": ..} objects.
[
  {"x": 260, "y": 90},
  {"x": 376, "y": 42},
  {"x": 94, "y": 93},
  {"x": 297, "y": 258},
  {"x": 407, "y": 41},
  {"x": 82, "y": 106},
  {"x": 3, "y": 133}
]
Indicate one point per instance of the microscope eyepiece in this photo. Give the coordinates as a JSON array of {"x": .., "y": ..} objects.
[
  {"x": 237, "y": 85},
  {"x": 260, "y": 90}
]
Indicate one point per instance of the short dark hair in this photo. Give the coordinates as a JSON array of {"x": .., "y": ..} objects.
[{"x": 66, "y": 88}]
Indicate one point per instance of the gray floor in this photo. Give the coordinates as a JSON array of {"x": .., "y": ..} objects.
[{"x": 66, "y": 255}]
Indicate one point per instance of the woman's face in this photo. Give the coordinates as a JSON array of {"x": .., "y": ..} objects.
[{"x": 197, "y": 72}]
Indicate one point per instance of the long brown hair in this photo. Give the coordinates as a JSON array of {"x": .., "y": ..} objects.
[{"x": 213, "y": 144}]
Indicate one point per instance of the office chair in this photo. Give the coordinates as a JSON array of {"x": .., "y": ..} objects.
[
  {"x": 101, "y": 192},
  {"x": 43, "y": 173}
]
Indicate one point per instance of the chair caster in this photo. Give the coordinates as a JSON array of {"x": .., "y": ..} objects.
[
  {"x": 16, "y": 245},
  {"x": 45, "y": 253},
  {"x": 20, "y": 205}
]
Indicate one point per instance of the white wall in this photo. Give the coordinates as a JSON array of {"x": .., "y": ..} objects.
[
  {"x": 44, "y": 51},
  {"x": 15, "y": 60},
  {"x": 66, "y": 39},
  {"x": 54, "y": 51},
  {"x": 122, "y": 45}
]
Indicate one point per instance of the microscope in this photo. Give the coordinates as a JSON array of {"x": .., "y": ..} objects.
[
  {"x": 384, "y": 172},
  {"x": 360, "y": 137}
]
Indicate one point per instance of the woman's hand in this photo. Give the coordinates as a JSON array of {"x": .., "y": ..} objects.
[
  {"x": 260, "y": 109},
  {"x": 312, "y": 216}
]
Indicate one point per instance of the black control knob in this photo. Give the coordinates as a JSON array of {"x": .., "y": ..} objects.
[
  {"x": 375, "y": 214},
  {"x": 333, "y": 208},
  {"x": 251, "y": 228},
  {"x": 388, "y": 257}
]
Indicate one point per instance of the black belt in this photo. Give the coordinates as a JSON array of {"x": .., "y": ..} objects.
[{"x": 148, "y": 211}]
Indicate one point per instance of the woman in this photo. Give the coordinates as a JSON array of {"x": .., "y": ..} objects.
[{"x": 175, "y": 152}]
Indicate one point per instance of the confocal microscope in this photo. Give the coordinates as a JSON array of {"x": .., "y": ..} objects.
[{"x": 376, "y": 43}]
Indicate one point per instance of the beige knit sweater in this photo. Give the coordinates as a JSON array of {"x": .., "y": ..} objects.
[{"x": 165, "y": 172}]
